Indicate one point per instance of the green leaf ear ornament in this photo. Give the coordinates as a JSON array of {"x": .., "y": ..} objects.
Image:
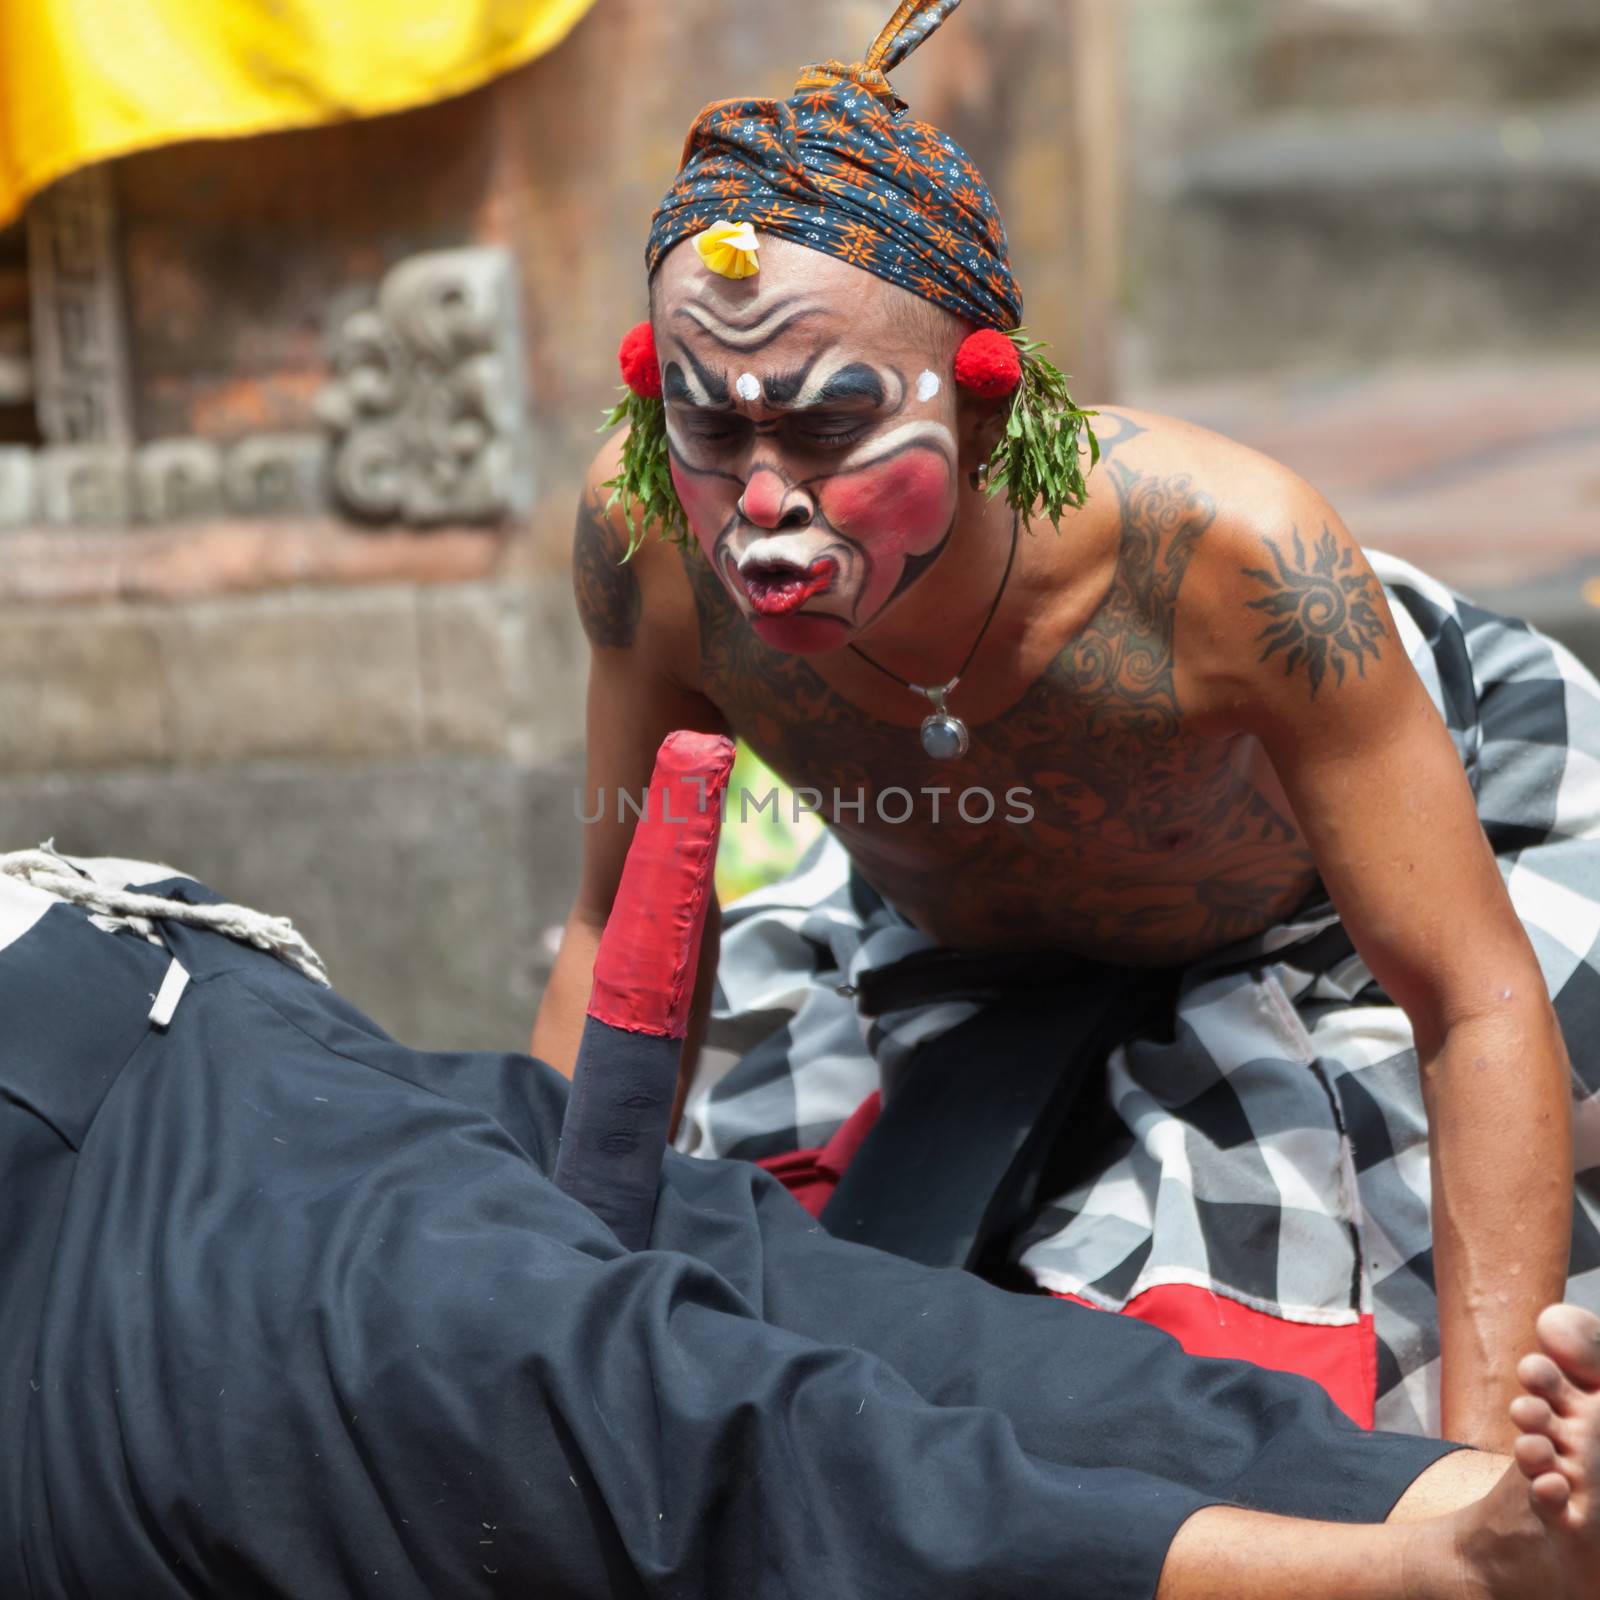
[
  {"x": 644, "y": 483},
  {"x": 1038, "y": 462}
]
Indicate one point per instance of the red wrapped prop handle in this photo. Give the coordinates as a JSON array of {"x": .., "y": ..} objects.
[{"x": 644, "y": 973}]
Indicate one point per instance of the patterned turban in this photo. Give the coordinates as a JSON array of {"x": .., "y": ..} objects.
[{"x": 840, "y": 168}]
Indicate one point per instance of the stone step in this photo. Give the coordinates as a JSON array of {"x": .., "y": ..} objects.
[
  {"x": 1336, "y": 54},
  {"x": 1338, "y": 240}
]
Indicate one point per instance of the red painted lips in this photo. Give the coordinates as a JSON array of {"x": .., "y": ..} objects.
[{"x": 777, "y": 590}]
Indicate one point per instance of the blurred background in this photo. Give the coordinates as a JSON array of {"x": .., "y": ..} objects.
[{"x": 292, "y": 420}]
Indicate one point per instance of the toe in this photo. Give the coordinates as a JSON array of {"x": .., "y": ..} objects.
[
  {"x": 1535, "y": 1455},
  {"x": 1544, "y": 1380},
  {"x": 1532, "y": 1415},
  {"x": 1549, "y": 1493},
  {"x": 1570, "y": 1336}
]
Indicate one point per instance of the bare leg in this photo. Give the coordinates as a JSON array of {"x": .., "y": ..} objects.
[
  {"x": 1468, "y": 1529},
  {"x": 1224, "y": 1554},
  {"x": 1450, "y": 1485}
]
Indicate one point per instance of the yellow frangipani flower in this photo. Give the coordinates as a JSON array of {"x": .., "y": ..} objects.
[{"x": 729, "y": 248}]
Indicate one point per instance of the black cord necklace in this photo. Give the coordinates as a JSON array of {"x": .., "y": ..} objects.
[{"x": 944, "y": 734}]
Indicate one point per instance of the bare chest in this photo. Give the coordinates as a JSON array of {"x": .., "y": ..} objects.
[{"x": 1085, "y": 815}]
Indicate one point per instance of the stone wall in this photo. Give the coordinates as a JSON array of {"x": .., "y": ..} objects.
[
  {"x": 392, "y": 766},
  {"x": 369, "y": 726}
]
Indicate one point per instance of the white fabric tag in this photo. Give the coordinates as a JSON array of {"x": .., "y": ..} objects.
[{"x": 169, "y": 994}]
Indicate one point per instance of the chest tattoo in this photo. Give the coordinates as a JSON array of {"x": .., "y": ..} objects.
[{"x": 1131, "y": 829}]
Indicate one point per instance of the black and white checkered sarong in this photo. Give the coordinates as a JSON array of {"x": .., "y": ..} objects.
[{"x": 1274, "y": 1149}]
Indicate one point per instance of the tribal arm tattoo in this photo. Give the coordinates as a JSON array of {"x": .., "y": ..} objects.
[
  {"x": 1319, "y": 612},
  {"x": 607, "y": 588}
]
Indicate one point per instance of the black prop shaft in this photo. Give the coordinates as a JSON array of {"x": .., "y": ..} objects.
[{"x": 614, "y": 1135}]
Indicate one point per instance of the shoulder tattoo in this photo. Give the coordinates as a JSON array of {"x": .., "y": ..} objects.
[
  {"x": 1319, "y": 613},
  {"x": 607, "y": 587},
  {"x": 1114, "y": 430}
]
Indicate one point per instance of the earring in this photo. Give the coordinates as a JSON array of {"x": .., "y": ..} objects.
[{"x": 979, "y": 476}]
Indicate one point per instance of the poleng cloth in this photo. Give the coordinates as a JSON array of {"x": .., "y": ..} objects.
[
  {"x": 1259, "y": 1182},
  {"x": 841, "y": 169}
]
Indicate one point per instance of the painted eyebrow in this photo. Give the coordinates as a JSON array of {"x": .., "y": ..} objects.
[
  {"x": 783, "y": 388},
  {"x": 675, "y": 387},
  {"x": 857, "y": 381},
  {"x": 715, "y": 384}
]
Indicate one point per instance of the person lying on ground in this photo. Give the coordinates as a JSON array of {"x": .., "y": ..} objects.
[{"x": 292, "y": 1311}]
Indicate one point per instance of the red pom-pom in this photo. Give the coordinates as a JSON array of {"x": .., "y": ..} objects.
[
  {"x": 988, "y": 364},
  {"x": 637, "y": 358}
]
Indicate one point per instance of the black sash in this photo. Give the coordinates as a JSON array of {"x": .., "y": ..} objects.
[{"x": 953, "y": 1166}]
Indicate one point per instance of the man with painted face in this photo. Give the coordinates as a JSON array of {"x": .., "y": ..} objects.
[
  {"x": 293, "y": 1312},
  {"x": 1204, "y": 899}
]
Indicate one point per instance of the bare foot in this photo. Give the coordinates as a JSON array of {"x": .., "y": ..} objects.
[
  {"x": 1536, "y": 1535},
  {"x": 1558, "y": 1452}
]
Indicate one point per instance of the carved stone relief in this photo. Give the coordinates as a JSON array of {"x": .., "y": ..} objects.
[
  {"x": 16, "y": 486},
  {"x": 80, "y": 359},
  {"x": 277, "y": 475},
  {"x": 84, "y": 485},
  {"x": 424, "y": 419},
  {"x": 178, "y": 478},
  {"x": 427, "y": 405},
  {"x": 168, "y": 480}
]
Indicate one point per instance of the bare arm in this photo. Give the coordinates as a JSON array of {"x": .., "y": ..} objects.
[
  {"x": 1382, "y": 800},
  {"x": 558, "y": 1026},
  {"x": 638, "y": 625}
]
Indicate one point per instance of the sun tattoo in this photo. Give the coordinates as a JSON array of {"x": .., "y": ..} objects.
[{"x": 1320, "y": 611}]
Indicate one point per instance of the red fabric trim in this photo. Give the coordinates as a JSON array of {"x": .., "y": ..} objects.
[
  {"x": 798, "y": 1172},
  {"x": 1343, "y": 1360},
  {"x": 811, "y": 1176},
  {"x": 644, "y": 971}
]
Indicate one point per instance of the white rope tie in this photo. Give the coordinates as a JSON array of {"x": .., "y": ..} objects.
[{"x": 55, "y": 875}]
